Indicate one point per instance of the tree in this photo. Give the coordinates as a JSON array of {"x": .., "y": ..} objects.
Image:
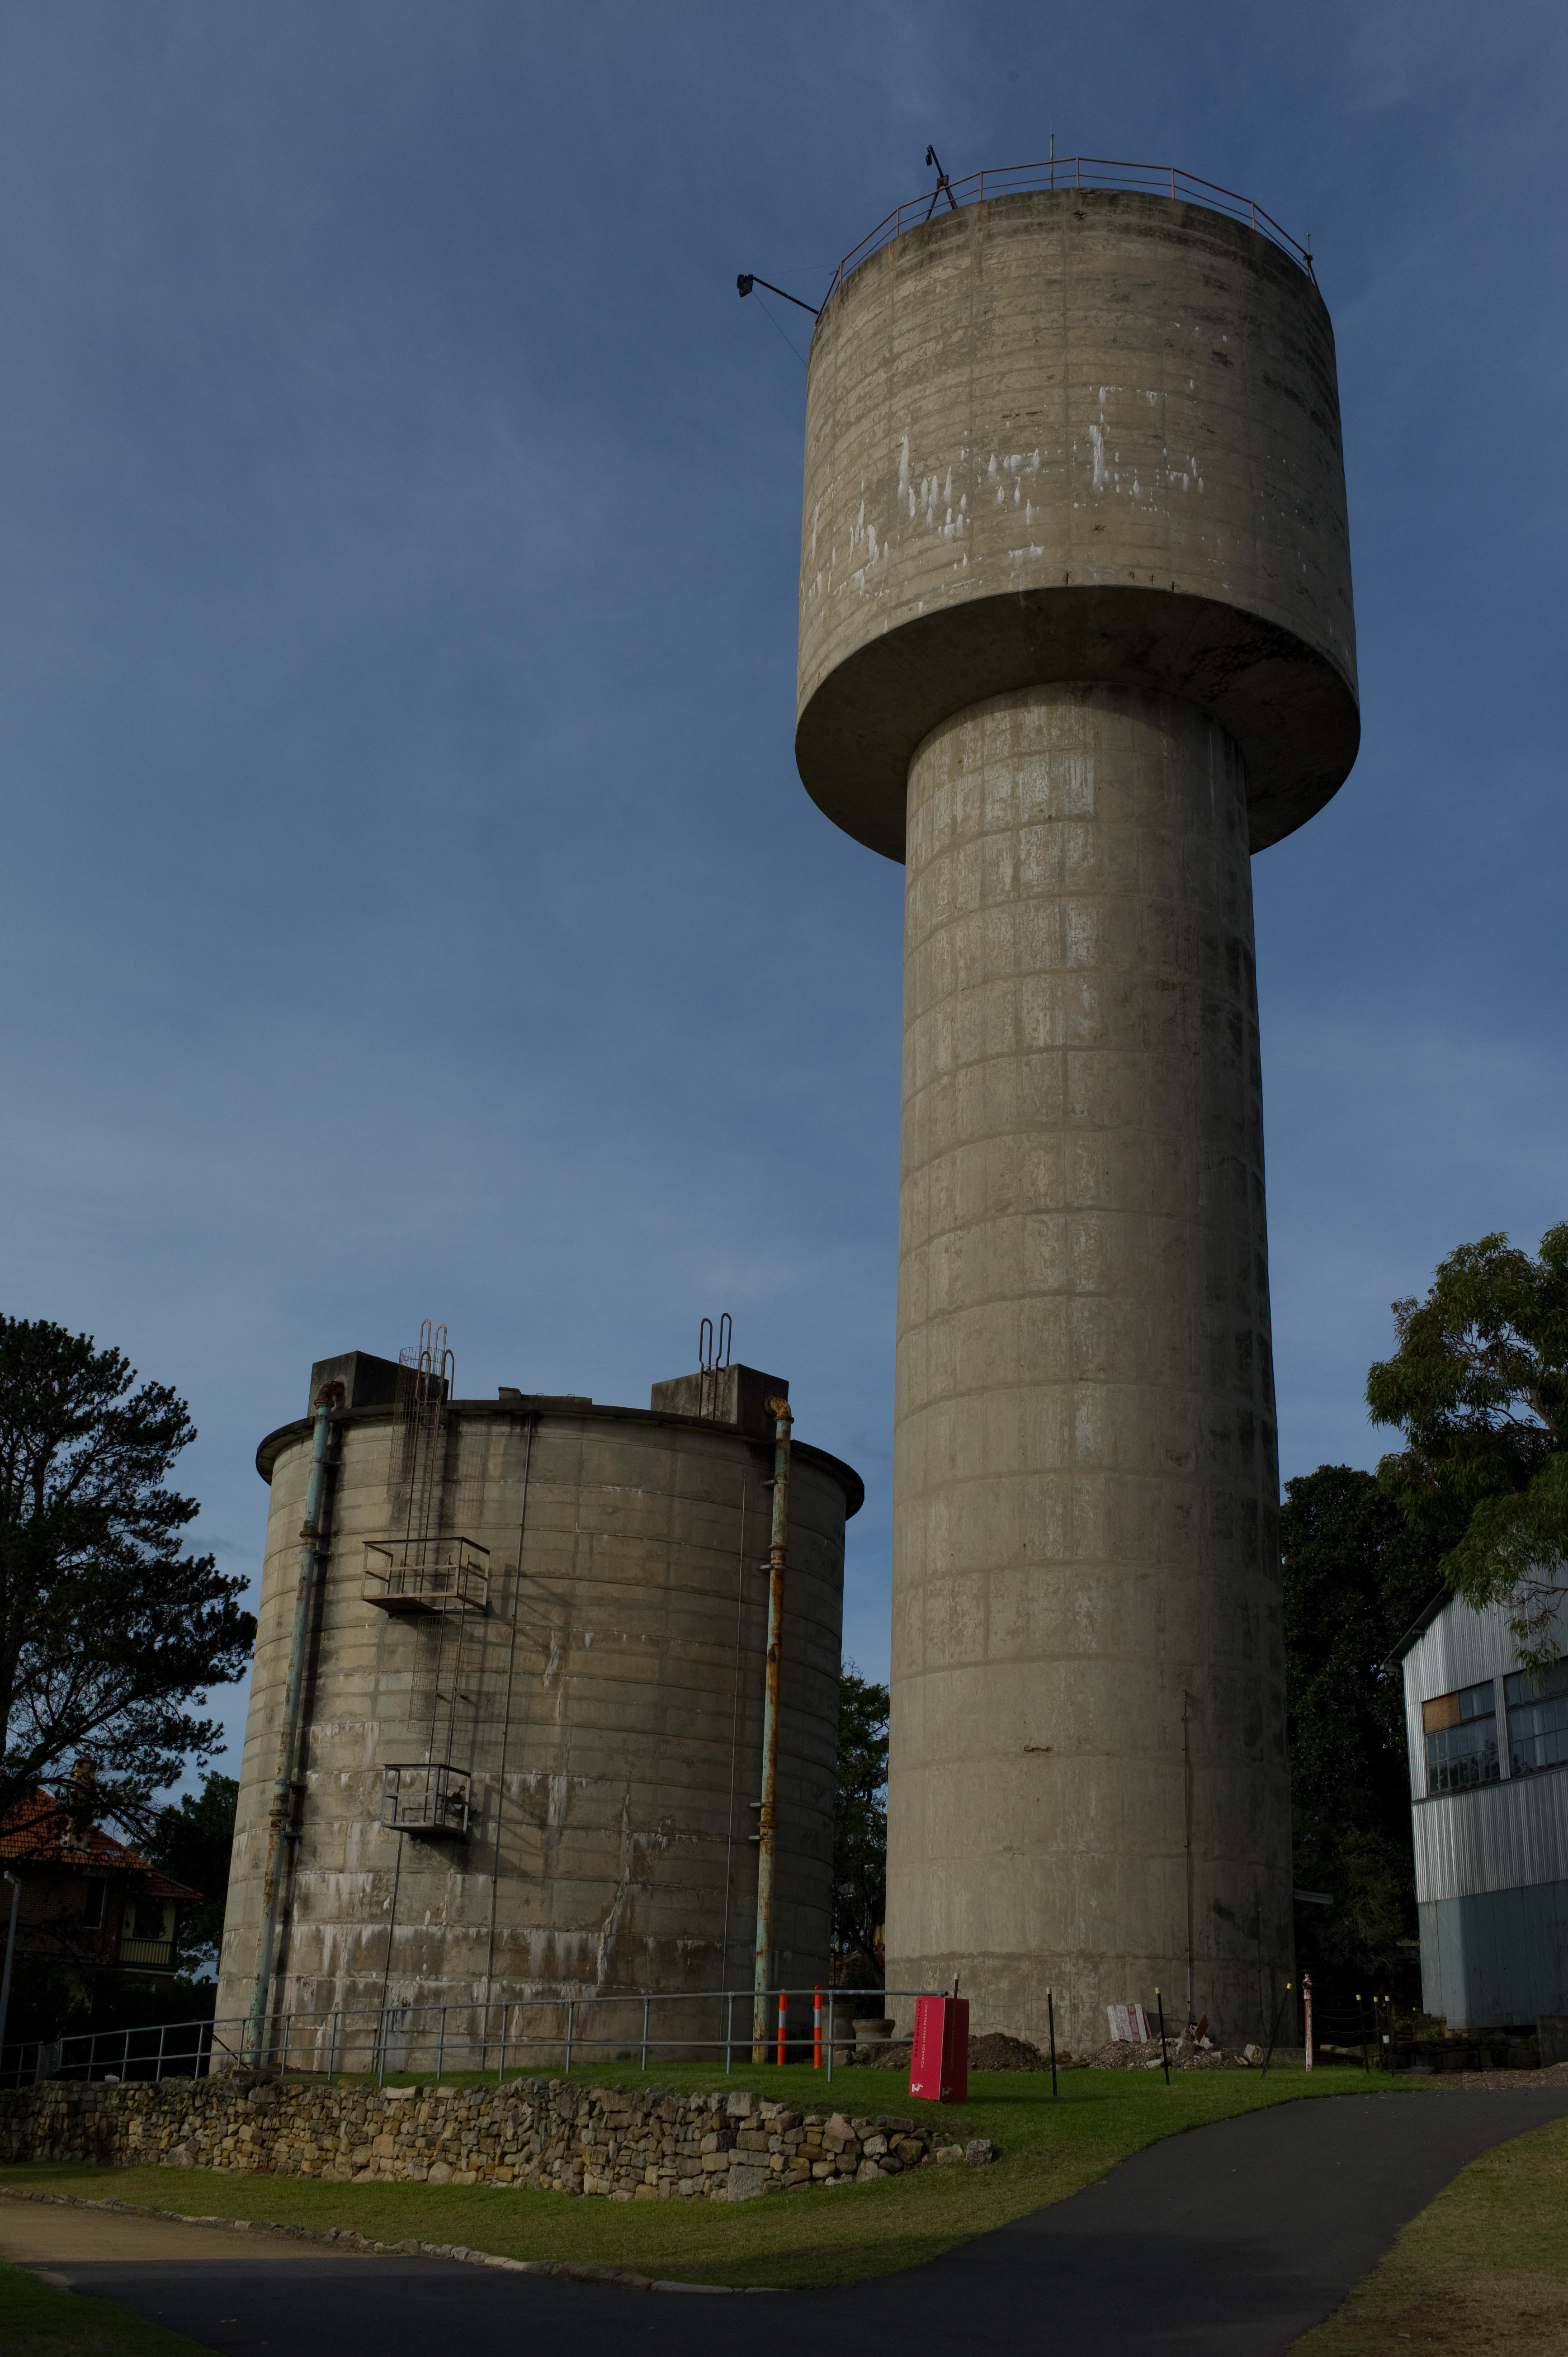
[
  {"x": 1479, "y": 1388},
  {"x": 192, "y": 1841},
  {"x": 108, "y": 1635},
  {"x": 860, "y": 1823},
  {"x": 1355, "y": 1575}
]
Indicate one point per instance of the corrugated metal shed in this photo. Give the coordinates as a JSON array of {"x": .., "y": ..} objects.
[{"x": 1491, "y": 1863}]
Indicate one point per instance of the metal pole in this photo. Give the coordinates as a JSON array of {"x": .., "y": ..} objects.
[
  {"x": 441, "y": 2046},
  {"x": 645, "y": 2033},
  {"x": 783, "y": 2017},
  {"x": 1164, "y": 2057},
  {"x": 310, "y": 1552},
  {"x": 16, "y": 1882},
  {"x": 1052, "y": 2018},
  {"x": 332, "y": 2054},
  {"x": 768, "y": 1822},
  {"x": 1306, "y": 2015},
  {"x": 163, "y": 2033},
  {"x": 501, "y": 2066},
  {"x": 571, "y": 2009},
  {"x": 830, "y": 2034},
  {"x": 729, "y": 2032},
  {"x": 817, "y": 2031},
  {"x": 1187, "y": 1702}
]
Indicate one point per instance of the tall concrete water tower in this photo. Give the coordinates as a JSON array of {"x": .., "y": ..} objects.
[{"x": 1076, "y": 639}]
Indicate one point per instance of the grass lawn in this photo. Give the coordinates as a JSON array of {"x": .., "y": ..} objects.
[
  {"x": 1048, "y": 2149},
  {"x": 1483, "y": 2269},
  {"x": 37, "y": 2321}
]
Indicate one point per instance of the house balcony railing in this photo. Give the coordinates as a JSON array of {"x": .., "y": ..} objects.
[
  {"x": 426, "y": 1575},
  {"x": 147, "y": 1955}
]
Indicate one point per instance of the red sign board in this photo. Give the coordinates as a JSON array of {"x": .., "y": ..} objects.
[{"x": 939, "y": 2068}]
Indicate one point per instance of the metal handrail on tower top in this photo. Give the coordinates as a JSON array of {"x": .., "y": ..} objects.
[{"x": 1070, "y": 172}]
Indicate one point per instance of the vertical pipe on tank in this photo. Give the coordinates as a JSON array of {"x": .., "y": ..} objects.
[
  {"x": 310, "y": 1552},
  {"x": 780, "y": 1410}
]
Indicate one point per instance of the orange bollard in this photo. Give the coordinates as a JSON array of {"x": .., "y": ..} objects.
[
  {"x": 817, "y": 2033},
  {"x": 783, "y": 2011}
]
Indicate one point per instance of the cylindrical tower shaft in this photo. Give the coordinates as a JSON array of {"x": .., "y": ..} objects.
[
  {"x": 1076, "y": 634},
  {"x": 1084, "y": 1470}
]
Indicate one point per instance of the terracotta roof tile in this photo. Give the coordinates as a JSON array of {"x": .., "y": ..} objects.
[{"x": 33, "y": 1833}]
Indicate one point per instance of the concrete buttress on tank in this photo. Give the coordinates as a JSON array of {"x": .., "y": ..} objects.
[{"x": 1077, "y": 637}]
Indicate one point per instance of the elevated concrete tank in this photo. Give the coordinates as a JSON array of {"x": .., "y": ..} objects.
[
  {"x": 528, "y": 1765},
  {"x": 1076, "y": 637}
]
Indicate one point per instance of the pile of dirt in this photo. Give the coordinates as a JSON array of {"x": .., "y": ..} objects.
[
  {"x": 996, "y": 2051},
  {"x": 1000, "y": 2053}
]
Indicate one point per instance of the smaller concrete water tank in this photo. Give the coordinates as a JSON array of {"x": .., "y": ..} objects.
[{"x": 529, "y": 1755}]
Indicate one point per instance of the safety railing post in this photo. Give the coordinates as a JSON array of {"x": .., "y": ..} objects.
[
  {"x": 645, "y": 2033},
  {"x": 501, "y": 2066},
  {"x": 571, "y": 2022},
  {"x": 381, "y": 2051},
  {"x": 729, "y": 2033},
  {"x": 441, "y": 2046},
  {"x": 163, "y": 2035},
  {"x": 830, "y": 2034},
  {"x": 817, "y": 2031}
]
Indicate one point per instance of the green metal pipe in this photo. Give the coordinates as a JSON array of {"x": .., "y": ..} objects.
[
  {"x": 311, "y": 1551},
  {"x": 767, "y": 1823}
]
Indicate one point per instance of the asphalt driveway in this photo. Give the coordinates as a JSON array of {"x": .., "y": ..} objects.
[{"x": 1231, "y": 2241}]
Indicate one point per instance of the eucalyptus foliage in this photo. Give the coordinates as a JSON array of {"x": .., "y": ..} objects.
[
  {"x": 1479, "y": 1388},
  {"x": 860, "y": 1825}
]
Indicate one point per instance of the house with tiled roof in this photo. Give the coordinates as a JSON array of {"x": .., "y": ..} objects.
[{"x": 89, "y": 1903}]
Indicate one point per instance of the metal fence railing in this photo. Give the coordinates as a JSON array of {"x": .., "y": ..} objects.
[
  {"x": 373, "y": 2041},
  {"x": 1068, "y": 172}
]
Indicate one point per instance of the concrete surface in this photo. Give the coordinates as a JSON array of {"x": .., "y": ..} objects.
[
  {"x": 1089, "y": 435},
  {"x": 1076, "y": 634},
  {"x": 1228, "y": 2242},
  {"x": 608, "y": 1704},
  {"x": 1085, "y": 1479},
  {"x": 41, "y": 2235}
]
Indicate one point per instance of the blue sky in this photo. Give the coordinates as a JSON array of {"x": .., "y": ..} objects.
[{"x": 409, "y": 904}]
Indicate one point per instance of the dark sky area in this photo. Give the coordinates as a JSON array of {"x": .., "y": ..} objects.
[{"x": 409, "y": 905}]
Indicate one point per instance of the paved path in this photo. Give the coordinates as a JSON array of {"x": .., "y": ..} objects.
[{"x": 1227, "y": 2242}]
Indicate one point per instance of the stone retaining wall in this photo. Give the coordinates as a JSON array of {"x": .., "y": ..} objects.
[{"x": 646, "y": 2146}]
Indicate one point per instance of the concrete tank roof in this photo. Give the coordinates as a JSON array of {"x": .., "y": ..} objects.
[
  {"x": 545, "y": 1404},
  {"x": 1086, "y": 435}
]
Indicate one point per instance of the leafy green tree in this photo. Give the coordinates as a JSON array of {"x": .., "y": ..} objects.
[
  {"x": 109, "y": 1634},
  {"x": 860, "y": 1825},
  {"x": 1479, "y": 1388},
  {"x": 192, "y": 1841},
  {"x": 1355, "y": 1575}
]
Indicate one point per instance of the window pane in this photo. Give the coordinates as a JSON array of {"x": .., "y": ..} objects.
[
  {"x": 1463, "y": 1756},
  {"x": 1538, "y": 1720}
]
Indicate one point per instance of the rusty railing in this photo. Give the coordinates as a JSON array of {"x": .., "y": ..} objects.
[{"x": 1068, "y": 172}]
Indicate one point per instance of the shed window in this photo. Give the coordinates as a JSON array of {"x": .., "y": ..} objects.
[
  {"x": 1537, "y": 1718},
  {"x": 1461, "y": 1739}
]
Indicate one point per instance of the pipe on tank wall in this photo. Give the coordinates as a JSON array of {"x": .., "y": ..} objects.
[
  {"x": 311, "y": 1551},
  {"x": 767, "y": 1819}
]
